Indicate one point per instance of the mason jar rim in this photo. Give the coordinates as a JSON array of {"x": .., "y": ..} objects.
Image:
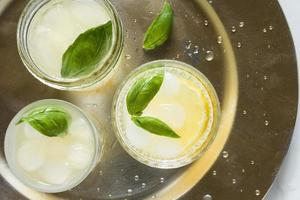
[
  {"x": 197, "y": 152},
  {"x": 82, "y": 82},
  {"x": 60, "y": 188}
]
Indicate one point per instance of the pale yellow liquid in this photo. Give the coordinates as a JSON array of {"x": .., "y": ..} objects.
[
  {"x": 185, "y": 105},
  {"x": 43, "y": 160},
  {"x": 56, "y": 26}
]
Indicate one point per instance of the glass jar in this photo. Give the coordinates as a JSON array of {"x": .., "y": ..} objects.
[
  {"x": 196, "y": 146},
  {"x": 34, "y": 12},
  {"x": 53, "y": 164}
]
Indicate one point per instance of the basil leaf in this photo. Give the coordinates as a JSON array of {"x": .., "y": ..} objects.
[
  {"x": 142, "y": 92},
  {"x": 49, "y": 121},
  {"x": 86, "y": 52},
  {"x": 160, "y": 29},
  {"x": 154, "y": 126}
]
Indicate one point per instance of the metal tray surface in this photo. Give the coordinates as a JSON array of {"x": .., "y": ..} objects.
[{"x": 253, "y": 70}]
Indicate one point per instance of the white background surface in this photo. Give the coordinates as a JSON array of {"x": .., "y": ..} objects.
[{"x": 287, "y": 184}]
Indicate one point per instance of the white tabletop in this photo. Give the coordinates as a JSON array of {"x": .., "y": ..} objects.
[{"x": 287, "y": 183}]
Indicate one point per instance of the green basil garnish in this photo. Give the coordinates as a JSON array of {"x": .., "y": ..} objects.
[
  {"x": 155, "y": 126},
  {"x": 142, "y": 92},
  {"x": 138, "y": 98},
  {"x": 48, "y": 120},
  {"x": 160, "y": 29},
  {"x": 83, "y": 56}
]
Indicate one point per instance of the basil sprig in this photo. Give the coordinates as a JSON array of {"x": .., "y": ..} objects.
[
  {"x": 155, "y": 126},
  {"x": 48, "y": 120},
  {"x": 138, "y": 98},
  {"x": 86, "y": 52},
  {"x": 142, "y": 92},
  {"x": 160, "y": 29}
]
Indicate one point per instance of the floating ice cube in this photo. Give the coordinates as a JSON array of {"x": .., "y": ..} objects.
[
  {"x": 170, "y": 85},
  {"x": 80, "y": 130},
  {"x": 172, "y": 114},
  {"x": 59, "y": 20},
  {"x": 79, "y": 156},
  {"x": 166, "y": 148},
  {"x": 31, "y": 132},
  {"x": 138, "y": 137},
  {"x": 83, "y": 11},
  {"x": 55, "y": 171},
  {"x": 31, "y": 155}
]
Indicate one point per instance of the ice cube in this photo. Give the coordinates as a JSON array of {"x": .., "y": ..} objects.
[
  {"x": 59, "y": 20},
  {"x": 45, "y": 52},
  {"x": 166, "y": 148},
  {"x": 31, "y": 132},
  {"x": 138, "y": 137},
  {"x": 172, "y": 114},
  {"x": 81, "y": 130},
  {"x": 31, "y": 155},
  {"x": 88, "y": 13},
  {"x": 55, "y": 171},
  {"x": 170, "y": 85},
  {"x": 79, "y": 155}
]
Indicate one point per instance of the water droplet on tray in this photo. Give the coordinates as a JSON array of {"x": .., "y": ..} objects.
[
  {"x": 244, "y": 112},
  {"x": 234, "y": 181},
  {"x": 196, "y": 50},
  {"x": 252, "y": 162},
  {"x": 233, "y": 29},
  {"x": 207, "y": 197},
  {"x": 239, "y": 44},
  {"x": 162, "y": 179},
  {"x": 136, "y": 177},
  {"x": 267, "y": 123},
  {"x": 257, "y": 192},
  {"x": 188, "y": 45},
  {"x": 241, "y": 24},
  {"x": 225, "y": 154},
  {"x": 270, "y": 27},
  {"x": 220, "y": 40},
  {"x": 129, "y": 190},
  {"x": 214, "y": 172},
  {"x": 143, "y": 185},
  {"x": 264, "y": 30},
  {"x": 209, "y": 55},
  {"x": 205, "y": 22},
  {"x": 128, "y": 57}
]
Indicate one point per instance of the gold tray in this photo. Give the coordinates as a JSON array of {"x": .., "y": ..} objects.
[{"x": 254, "y": 72}]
